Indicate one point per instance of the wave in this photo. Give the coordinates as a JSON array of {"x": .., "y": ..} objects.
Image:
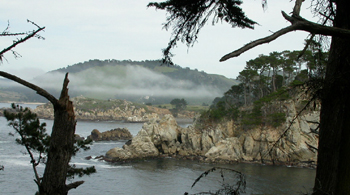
[
  {"x": 12, "y": 156},
  {"x": 14, "y": 162},
  {"x": 82, "y": 164}
]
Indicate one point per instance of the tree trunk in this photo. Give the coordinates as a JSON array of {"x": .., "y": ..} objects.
[
  {"x": 62, "y": 140},
  {"x": 61, "y": 146},
  {"x": 333, "y": 170}
]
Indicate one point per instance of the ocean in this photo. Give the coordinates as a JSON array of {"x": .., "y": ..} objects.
[{"x": 146, "y": 177}]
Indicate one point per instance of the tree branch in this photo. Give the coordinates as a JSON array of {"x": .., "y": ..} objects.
[
  {"x": 38, "y": 90},
  {"x": 20, "y": 41},
  {"x": 297, "y": 7},
  {"x": 258, "y": 42},
  {"x": 314, "y": 28},
  {"x": 298, "y": 23},
  {"x": 74, "y": 185}
]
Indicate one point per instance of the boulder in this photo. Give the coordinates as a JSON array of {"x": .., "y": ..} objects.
[
  {"x": 78, "y": 138},
  {"x": 228, "y": 149},
  {"x": 140, "y": 147}
]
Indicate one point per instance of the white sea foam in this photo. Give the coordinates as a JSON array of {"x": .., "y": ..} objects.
[
  {"x": 83, "y": 164},
  {"x": 15, "y": 162}
]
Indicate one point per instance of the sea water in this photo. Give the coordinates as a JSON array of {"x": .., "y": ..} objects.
[{"x": 148, "y": 177}]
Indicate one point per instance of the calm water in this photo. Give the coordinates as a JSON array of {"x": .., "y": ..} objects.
[{"x": 164, "y": 176}]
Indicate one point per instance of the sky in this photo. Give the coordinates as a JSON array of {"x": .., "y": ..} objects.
[{"x": 80, "y": 30}]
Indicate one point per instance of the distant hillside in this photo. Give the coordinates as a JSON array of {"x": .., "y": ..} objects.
[{"x": 144, "y": 82}]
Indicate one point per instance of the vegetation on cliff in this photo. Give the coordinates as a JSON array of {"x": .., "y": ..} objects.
[
  {"x": 186, "y": 18},
  {"x": 267, "y": 82}
]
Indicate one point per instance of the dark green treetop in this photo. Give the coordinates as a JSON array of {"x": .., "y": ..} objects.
[
  {"x": 33, "y": 136},
  {"x": 188, "y": 17}
]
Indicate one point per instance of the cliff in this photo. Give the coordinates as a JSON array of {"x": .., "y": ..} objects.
[{"x": 292, "y": 143}]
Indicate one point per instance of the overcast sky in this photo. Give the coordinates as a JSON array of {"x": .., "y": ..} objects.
[{"x": 80, "y": 30}]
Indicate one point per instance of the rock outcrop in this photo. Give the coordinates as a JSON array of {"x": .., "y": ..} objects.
[
  {"x": 111, "y": 135},
  {"x": 292, "y": 143},
  {"x": 141, "y": 146},
  {"x": 103, "y": 110}
]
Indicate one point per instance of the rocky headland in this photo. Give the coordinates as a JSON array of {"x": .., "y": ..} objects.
[
  {"x": 103, "y": 110},
  {"x": 292, "y": 143}
]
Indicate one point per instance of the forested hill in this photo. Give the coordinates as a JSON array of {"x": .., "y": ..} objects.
[
  {"x": 175, "y": 72},
  {"x": 139, "y": 81}
]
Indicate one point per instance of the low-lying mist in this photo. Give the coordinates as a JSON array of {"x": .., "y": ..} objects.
[{"x": 126, "y": 81}]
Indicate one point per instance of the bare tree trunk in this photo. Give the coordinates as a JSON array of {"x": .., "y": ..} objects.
[
  {"x": 61, "y": 147},
  {"x": 62, "y": 140},
  {"x": 332, "y": 175}
]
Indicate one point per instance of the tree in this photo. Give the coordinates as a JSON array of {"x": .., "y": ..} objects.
[
  {"x": 61, "y": 147},
  {"x": 333, "y": 171},
  {"x": 188, "y": 17},
  {"x": 34, "y": 138},
  {"x": 179, "y": 104},
  {"x": 32, "y": 134},
  {"x": 247, "y": 76}
]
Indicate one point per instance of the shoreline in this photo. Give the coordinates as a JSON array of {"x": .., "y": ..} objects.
[
  {"x": 30, "y": 103},
  {"x": 202, "y": 159}
]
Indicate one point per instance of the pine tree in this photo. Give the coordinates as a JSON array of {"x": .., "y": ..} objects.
[{"x": 33, "y": 136}]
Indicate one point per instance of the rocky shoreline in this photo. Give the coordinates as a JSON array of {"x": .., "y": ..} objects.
[
  {"x": 162, "y": 137},
  {"x": 221, "y": 144},
  {"x": 87, "y": 109}
]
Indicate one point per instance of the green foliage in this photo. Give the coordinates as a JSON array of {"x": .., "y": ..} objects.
[
  {"x": 218, "y": 111},
  {"x": 32, "y": 133},
  {"x": 165, "y": 69},
  {"x": 180, "y": 104},
  {"x": 271, "y": 117},
  {"x": 266, "y": 81},
  {"x": 80, "y": 172},
  {"x": 187, "y": 18},
  {"x": 276, "y": 119},
  {"x": 302, "y": 76},
  {"x": 34, "y": 138}
]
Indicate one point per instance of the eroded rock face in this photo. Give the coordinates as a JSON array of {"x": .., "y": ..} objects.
[
  {"x": 111, "y": 135},
  {"x": 219, "y": 143},
  {"x": 141, "y": 146}
]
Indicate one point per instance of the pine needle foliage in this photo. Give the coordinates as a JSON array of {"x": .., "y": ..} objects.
[
  {"x": 188, "y": 17},
  {"x": 33, "y": 136}
]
